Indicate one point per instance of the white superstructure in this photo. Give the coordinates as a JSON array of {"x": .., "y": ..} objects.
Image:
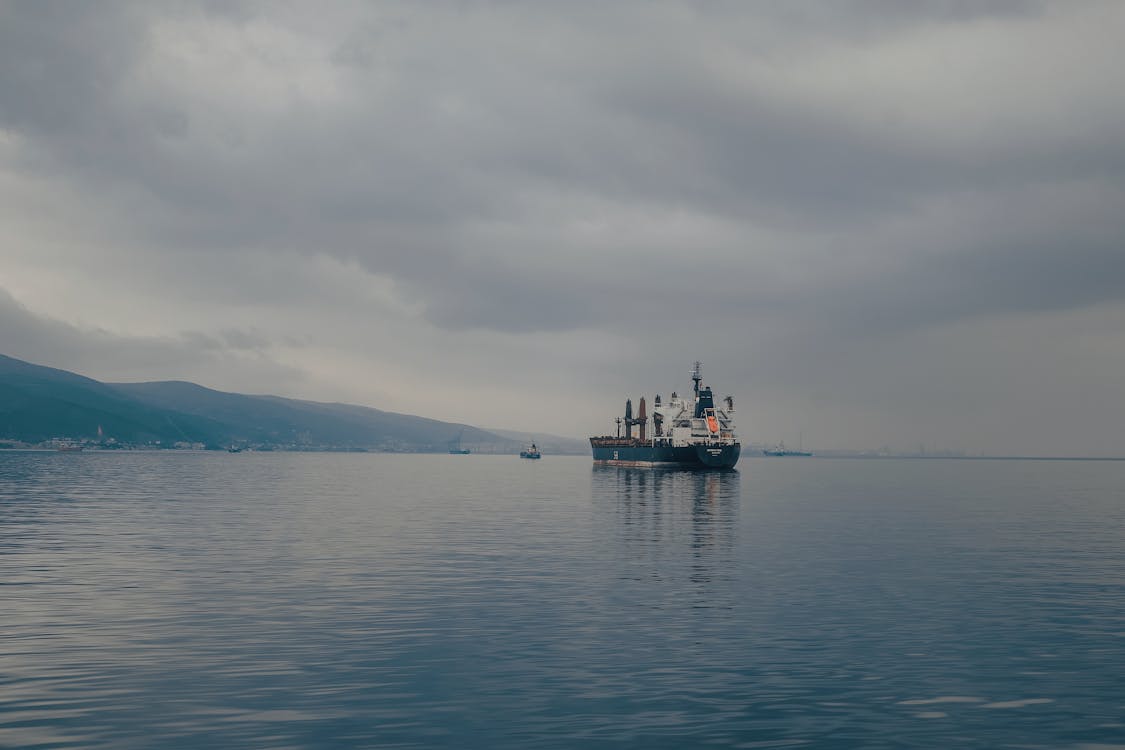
[{"x": 696, "y": 421}]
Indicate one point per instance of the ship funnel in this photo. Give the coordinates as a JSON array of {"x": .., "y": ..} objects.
[
  {"x": 628, "y": 418},
  {"x": 642, "y": 419}
]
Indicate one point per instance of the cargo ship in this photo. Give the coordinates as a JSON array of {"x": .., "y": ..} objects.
[
  {"x": 690, "y": 433},
  {"x": 781, "y": 450}
]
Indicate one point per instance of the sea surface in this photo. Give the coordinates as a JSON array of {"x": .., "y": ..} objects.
[{"x": 282, "y": 600}]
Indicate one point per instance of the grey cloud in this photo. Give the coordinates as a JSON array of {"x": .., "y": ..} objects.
[
  {"x": 865, "y": 17},
  {"x": 61, "y": 61},
  {"x": 107, "y": 356},
  {"x": 517, "y": 171},
  {"x": 245, "y": 340}
]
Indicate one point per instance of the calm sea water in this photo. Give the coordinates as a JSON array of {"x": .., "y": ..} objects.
[{"x": 182, "y": 600}]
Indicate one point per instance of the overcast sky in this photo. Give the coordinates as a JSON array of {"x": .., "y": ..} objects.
[{"x": 877, "y": 223}]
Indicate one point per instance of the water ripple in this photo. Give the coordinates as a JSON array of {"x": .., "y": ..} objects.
[{"x": 178, "y": 600}]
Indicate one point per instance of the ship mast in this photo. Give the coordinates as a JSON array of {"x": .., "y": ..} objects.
[{"x": 696, "y": 376}]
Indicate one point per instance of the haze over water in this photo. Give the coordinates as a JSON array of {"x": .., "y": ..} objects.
[{"x": 176, "y": 600}]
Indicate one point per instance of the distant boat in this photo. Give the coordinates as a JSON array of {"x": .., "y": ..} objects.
[
  {"x": 68, "y": 448},
  {"x": 781, "y": 450},
  {"x": 455, "y": 448},
  {"x": 234, "y": 449},
  {"x": 532, "y": 452}
]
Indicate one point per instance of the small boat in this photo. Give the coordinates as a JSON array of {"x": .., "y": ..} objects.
[
  {"x": 69, "y": 448},
  {"x": 455, "y": 448},
  {"x": 532, "y": 452}
]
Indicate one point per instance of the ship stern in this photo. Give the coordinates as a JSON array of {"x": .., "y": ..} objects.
[{"x": 718, "y": 456}]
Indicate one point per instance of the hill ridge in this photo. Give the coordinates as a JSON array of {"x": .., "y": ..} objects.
[{"x": 40, "y": 403}]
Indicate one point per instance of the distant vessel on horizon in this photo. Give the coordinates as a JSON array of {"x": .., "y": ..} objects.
[
  {"x": 455, "y": 448},
  {"x": 781, "y": 450},
  {"x": 532, "y": 452}
]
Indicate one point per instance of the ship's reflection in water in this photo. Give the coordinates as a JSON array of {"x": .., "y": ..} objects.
[{"x": 665, "y": 522}]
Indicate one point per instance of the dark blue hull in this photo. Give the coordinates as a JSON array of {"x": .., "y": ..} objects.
[{"x": 688, "y": 457}]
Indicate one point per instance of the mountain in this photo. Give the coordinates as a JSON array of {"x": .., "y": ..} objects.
[
  {"x": 283, "y": 421},
  {"x": 39, "y": 403}
]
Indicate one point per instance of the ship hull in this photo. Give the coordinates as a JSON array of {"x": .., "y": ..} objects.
[{"x": 686, "y": 457}]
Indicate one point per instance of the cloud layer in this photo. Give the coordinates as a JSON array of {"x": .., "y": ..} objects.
[{"x": 877, "y": 224}]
